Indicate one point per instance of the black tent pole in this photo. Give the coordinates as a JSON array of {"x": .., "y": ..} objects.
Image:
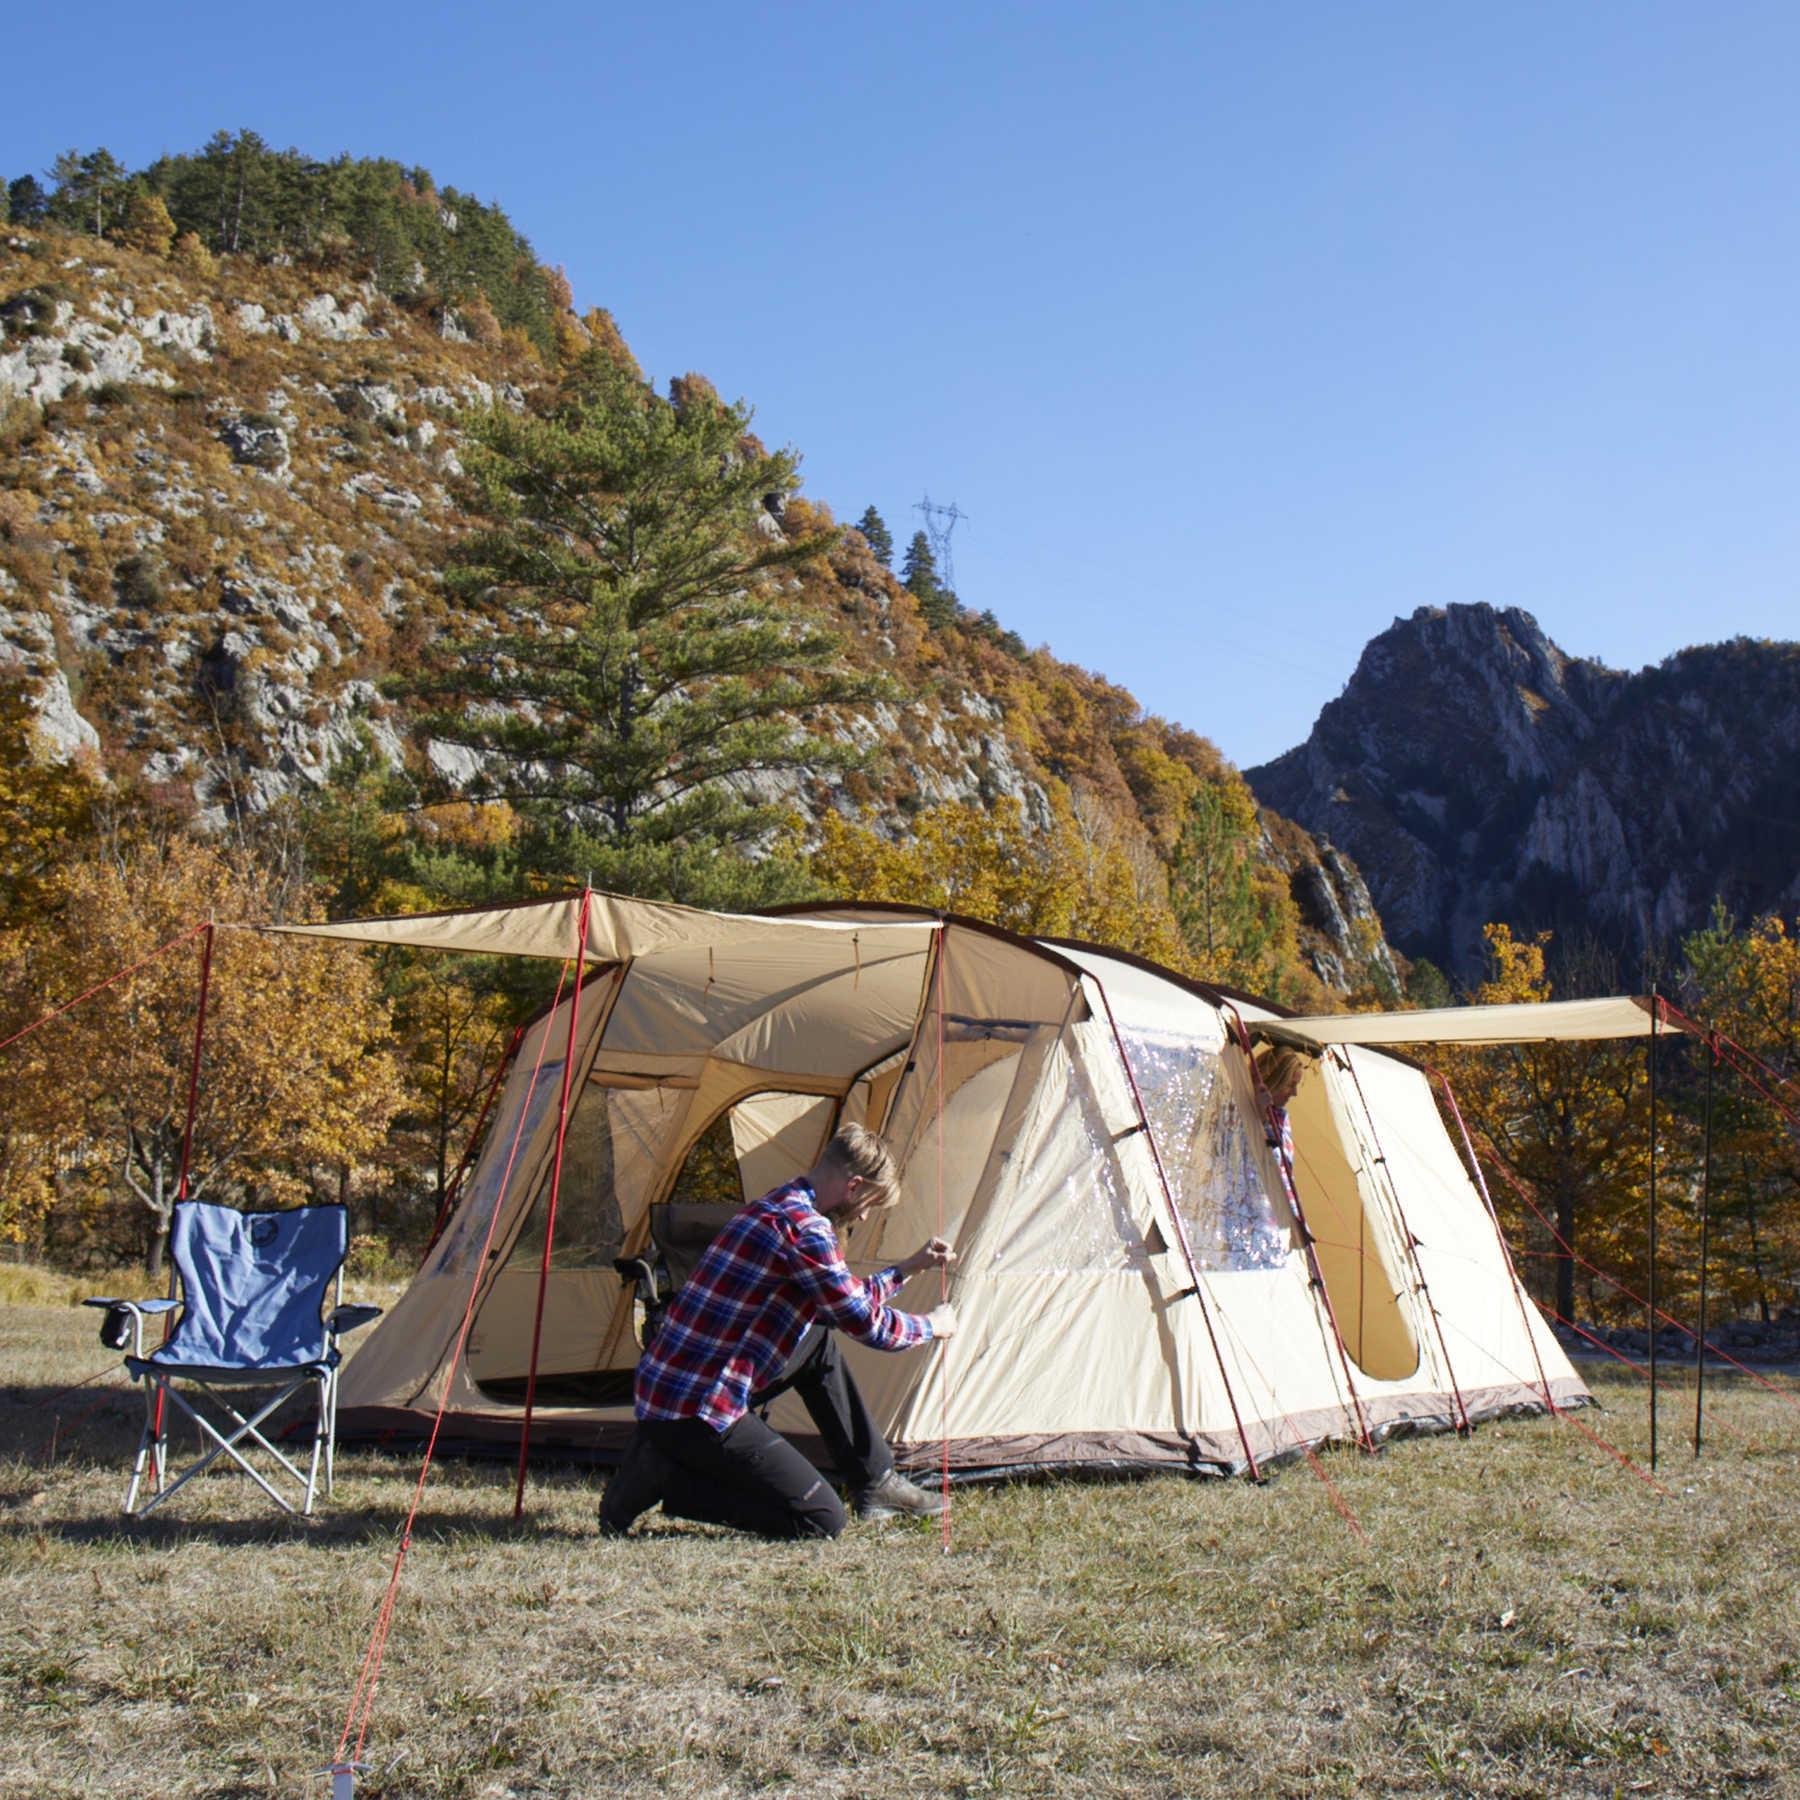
[
  {"x": 1712, "y": 1062},
  {"x": 1650, "y": 1314}
]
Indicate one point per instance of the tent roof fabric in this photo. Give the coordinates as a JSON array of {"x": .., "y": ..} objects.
[
  {"x": 622, "y": 930},
  {"x": 1544, "y": 1022},
  {"x": 814, "y": 944}
]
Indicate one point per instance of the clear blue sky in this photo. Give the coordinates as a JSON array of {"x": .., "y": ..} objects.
[{"x": 1237, "y": 329}]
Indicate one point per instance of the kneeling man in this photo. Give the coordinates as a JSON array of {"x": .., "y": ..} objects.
[{"x": 756, "y": 1316}]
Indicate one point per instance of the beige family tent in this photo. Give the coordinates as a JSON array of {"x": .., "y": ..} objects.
[{"x": 1135, "y": 1289}]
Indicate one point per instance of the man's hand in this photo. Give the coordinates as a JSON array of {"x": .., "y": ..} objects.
[
  {"x": 935, "y": 1254},
  {"x": 942, "y": 1320}
]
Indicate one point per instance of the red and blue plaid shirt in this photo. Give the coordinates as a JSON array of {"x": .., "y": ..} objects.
[{"x": 737, "y": 1319}]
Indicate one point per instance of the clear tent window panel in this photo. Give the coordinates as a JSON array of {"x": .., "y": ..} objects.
[
  {"x": 1082, "y": 1221},
  {"x": 1212, "y": 1162}
]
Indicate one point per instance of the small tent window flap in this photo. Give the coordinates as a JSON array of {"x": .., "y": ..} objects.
[{"x": 1216, "y": 1171}]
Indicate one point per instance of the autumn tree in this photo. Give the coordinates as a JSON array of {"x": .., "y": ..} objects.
[
  {"x": 876, "y": 534},
  {"x": 1745, "y": 983},
  {"x": 1078, "y": 878},
  {"x": 1570, "y": 1121},
  {"x": 371, "y": 848},
  {"x": 629, "y": 663},
  {"x": 147, "y": 225},
  {"x": 45, "y": 805},
  {"x": 297, "y": 1085}
]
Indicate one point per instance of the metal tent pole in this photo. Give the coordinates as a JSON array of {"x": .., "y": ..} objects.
[
  {"x": 556, "y": 1169},
  {"x": 1650, "y": 1302},
  {"x": 1712, "y": 1062}
]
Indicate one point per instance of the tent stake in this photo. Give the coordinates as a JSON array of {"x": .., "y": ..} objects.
[
  {"x": 556, "y": 1169},
  {"x": 1712, "y": 1062},
  {"x": 1650, "y": 1297}
]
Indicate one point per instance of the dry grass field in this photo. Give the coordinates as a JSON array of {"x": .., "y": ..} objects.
[{"x": 1525, "y": 1618}]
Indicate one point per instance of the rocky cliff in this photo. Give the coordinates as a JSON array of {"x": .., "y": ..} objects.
[
  {"x": 1476, "y": 772},
  {"x": 226, "y": 493}
]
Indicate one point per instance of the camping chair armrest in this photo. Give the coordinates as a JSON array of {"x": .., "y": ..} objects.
[
  {"x": 351, "y": 1318},
  {"x": 642, "y": 1271},
  {"x": 112, "y": 1327}
]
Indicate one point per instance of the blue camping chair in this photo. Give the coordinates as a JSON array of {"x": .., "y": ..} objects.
[{"x": 253, "y": 1288}]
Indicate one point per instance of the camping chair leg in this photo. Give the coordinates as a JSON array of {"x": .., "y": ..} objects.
[
  {"x": 321, "y": 1437},
  {"x": 228, "y": 1446},
  {"x": 144, "y": 1450},
  {"x": 330, "y": 1402}
]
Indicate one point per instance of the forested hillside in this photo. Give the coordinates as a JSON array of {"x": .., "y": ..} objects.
[{"x": 345, "y": 562}]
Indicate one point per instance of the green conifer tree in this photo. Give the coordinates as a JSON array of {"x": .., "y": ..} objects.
[
  {"x": 634, "y": 658},
  {"x": 26, "y": 200},
  {"x": 1226, "y": 923},
  {"x": 875, "y": 532},
  {"x": 919, "y": 575},
  {"x": 87, "y": 187}
]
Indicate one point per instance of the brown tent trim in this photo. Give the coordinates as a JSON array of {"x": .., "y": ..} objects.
[{"x": 599, "y": 1435}]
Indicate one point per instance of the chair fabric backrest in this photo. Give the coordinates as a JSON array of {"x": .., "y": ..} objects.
[
  {"x": 253, "y": 1285},
  {"x": 681, "y": 1230}
]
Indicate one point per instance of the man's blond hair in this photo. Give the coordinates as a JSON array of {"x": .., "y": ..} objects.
[{"x": 856, "y": 1150}]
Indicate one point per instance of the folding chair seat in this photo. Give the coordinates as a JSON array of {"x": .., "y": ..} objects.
[{"x": 251, "y": 1315}]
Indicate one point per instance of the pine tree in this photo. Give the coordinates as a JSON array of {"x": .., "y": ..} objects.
[
  {"x": 919, "y": 575},
  {"x": 86, "y": 189},
  {"x": 26, "y": 200},
  {"x": 634, "y": 661},
  {"x": 1230, "y": 927},
  {"x": 918, "y": 572},
  {"x": 879, "y": 539}
]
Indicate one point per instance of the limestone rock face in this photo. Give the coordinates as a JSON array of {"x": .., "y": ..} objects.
[
  {"x": 1476, "y": 772},
  {"x": 222, "y": 532}
]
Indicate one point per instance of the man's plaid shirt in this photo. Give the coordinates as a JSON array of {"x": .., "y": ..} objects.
[{"x": 738, "y": 1318}]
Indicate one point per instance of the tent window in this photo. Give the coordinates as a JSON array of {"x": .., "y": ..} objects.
[
  {"x": 588, "y": 1227},
  {"x": 1214, "y": 1168},
  {"x": 710, "y": 1173},
  {"x": 754, "y": 1145},
  {"x": 1074, "y": 1162},
  {"x": 469, "y": 1228}
]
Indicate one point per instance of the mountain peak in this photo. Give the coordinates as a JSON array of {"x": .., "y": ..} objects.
[{"x": 1476, "y": 771}]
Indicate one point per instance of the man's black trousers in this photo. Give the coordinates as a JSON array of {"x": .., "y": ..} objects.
[{"x": 751, "y": 1477}]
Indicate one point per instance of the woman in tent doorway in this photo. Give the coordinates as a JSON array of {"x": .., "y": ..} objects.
[{"x": 759, "y": 1311}]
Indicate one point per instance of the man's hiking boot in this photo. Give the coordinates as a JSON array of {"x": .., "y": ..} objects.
[
  {"x": 636, "y": 1485},
  {"x": 893, "y": 1496}
]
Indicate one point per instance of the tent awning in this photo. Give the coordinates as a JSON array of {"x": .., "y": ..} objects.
[
  {"x": 621, "y": 930},
  {"x": 1551, "y": 1021}
]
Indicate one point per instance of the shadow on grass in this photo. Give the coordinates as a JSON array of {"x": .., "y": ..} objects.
[
  {"x": 330, "y": 1528},
  {"x": 54, "y": 1441}
]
